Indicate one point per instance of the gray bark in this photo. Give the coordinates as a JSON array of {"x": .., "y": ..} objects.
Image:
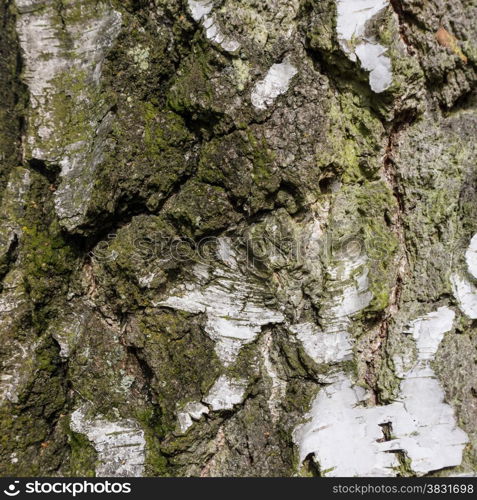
[{"x": 238, "y": 238}]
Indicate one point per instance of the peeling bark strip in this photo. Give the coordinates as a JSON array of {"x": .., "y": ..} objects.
[
  {"x": 354, "y": 18},
  {"x": 238, "y": 238},
  {"x": 423, "y": 427},
  {"x": 120, "y": 445}
]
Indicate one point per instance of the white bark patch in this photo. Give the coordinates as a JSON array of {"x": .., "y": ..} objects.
[
  {"x": 120, "y": 445},
  {"x": 466, "y": 294},
  {"x": 226, "y": 393},
  {"x": 427, "y": 431},
  {"x": 55, "y": 134},
  {"x": 373, "y": 58},
  {"x": 190, "y": 413},
  {"x": 223, "y": 395},
  {"x": 348, "y": 285},
  {"x": 464, "y": 290},
  {"x": 275, "y": 83},
  {"x": 422, "y": 424},
  {"x": 232, "y": 303},
  {"x": 201, "y": 11},
  {"x": 342, "y": 436},
  {"x": 428, "y": 331},
  {"x": 234, "y": 315},
  {"x": 353, "y": 16},
  {"x": 355, "y": 297},
  {"x": 353, "y": 19},
  {"x": 146, "y": 281},
  {"x": 323, "y": 347},
  {"x": 471, "y": 256}
]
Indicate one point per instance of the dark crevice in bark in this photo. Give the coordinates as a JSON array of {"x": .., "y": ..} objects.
[
  {"x": 50, "y": 172},
  {"x": 406, "y": 17},
  {"x": 29, "y": 405},
  {"x": 465, "y": 102},
  {"x": 9, "y": 259},
  {"x": 391, "y": 176},
  {"x": 387, "y": 429},
  {"x": 405, "y": 469},
  {"x": 312, "y": 467},
  {"x": 203, "y": 124},
  {"x": 406, "y": 20},
  {"x": 403, "y": 460},
  {"x": 60, "y": 9},
  {"x": 345, "y": 75},
  {"x": 110, "y": 224},
  {"x": 391, "y": 173},
  {"x": 137, "y": 355}
]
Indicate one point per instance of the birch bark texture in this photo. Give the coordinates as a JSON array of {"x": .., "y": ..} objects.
[{"x": 238, "y": 238}]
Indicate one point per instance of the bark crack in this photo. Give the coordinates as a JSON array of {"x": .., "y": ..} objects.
[{"x": 402, "y": 261}]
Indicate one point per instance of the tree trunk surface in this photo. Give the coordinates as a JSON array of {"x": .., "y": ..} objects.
[{"x": 238, "y": 238}]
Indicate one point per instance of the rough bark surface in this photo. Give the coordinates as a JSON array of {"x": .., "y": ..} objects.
[{"x": 238, "y": 238}]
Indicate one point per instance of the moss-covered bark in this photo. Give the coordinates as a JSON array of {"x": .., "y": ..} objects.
[{"x": 221, "y": 219}]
